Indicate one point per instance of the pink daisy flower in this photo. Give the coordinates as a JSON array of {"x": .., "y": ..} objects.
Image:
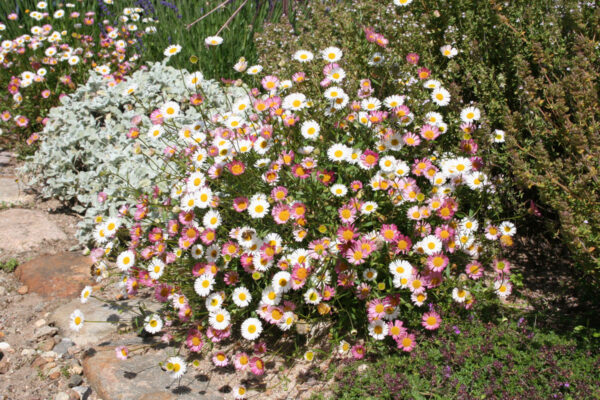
[
  {"x": 474, "y": 270},
  {"x": 240, "y": 204},
  {"x": 376, "y": 308},
  {"x": 162, "y": 292},
  {"x": 410, "y": 139},
  {"x": 396, "y": 329},
  {"x": 122, "y": 352},
  {"x": 369, "y": 159},
  {"x": 194, "y": 341},
  {"x": 241, "y": 361},
  {"x": 220, "y": 359},
  {"x": 407, "y": 342},
  {"x": 358, "y": 351},
  {"x": 257, "y": 366},
  {"x": 437, "y": 262},
  {"x": 355, "y": 255},
  {"x": 431, "y": 320}
]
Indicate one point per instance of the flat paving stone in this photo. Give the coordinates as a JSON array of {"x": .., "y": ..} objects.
[
  {"x": 24, "y": 230},
  {"x": 13, "y": 192},
  {"x": 61, "y": 275},
  {"x": 140, "y": 377}
]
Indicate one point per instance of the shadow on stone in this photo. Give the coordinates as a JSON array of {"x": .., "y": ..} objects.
[
  {"x": 225, "y": 389},
  {"x": 201, "y": 378},
  {"x": 179, "y": 390},
  {"x": 90, "y": 352},
  {"x": 129, "y": 375}
]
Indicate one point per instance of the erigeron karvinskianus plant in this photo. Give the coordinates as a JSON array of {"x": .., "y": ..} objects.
[{"x": 368, "y": 211}]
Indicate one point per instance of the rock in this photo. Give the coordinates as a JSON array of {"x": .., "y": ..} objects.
[
  {"x": 13, "y": 191},
  {"x": 62, "y": 396},
  {"x": 83, "y": 392},
  {"x": 23, "y": 290},
  {"x": 46, "y": 344},
  {"x": 27, "y": 352},
  {"x": 39, "y": 362},
  {"x": 45, "y": 331},
  {"x": 39, "y": 323},
  {"x": 138, "y": 377},
  {"x": 93, "y": 333},
  {"x": 76, "y": 370},
  {"x": 2, "y": 291},
  {"x": 49, "y": 366},
  {"x": 61, "y": 276},
  {"x": 28, "y": 229},
  {"x": 73, "y": 395},
  {"x": 75, "y": 380},
  {"x": 4, "y": 346},
  {"x": 54, "y": 373},
  {"x": 49, "y": 355},
  {"x": 62, "y": 347},
  {"x": 4, "y": 366}
]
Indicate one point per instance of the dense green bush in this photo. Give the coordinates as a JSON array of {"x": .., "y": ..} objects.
[{"x": 532, "y": 67}]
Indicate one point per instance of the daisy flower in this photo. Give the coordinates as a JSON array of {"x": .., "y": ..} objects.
[
  {"x": 333, "y": 93},
  {"x": 170, "y": 110},
  {"x": 331, "y": 54},
  {"x": 122, "y": 352},
  {"x": 258, "y": 207},
  {"x": 406, "y": 342},
  {"x": 77, "y": 320},
  {"x": 153, "y": 324},
  {"x": 255, "y": 69},
  {"x": 239, "y": 392},
  {"x": 126, "y": 260},
  {"x": 294, "y": 102},
  {"x": 281, "y": 282},
  {"x": 204, "y": 284},
  {"x": 448, "y": 51},
  {"x": 303, "y": 56},
  {"x": 251, "y": 328},
  {"x": 156, "y": 269},
  {"x": 502, "y": 288},
  {"x": 431, "y": 320},
  {"x": 176, "y": 367},
  {"x": 309, "y": 355},
  {"x": 310, "y": 130},
  {"x": 440, "y": 96},
  {"x": 378, "y": 329},
  {"x": 370, "y": 104},
  {"x": 338, "y": 152},
  {"x": 431, "y": 245},
  {"x": 213, "y": 40},
  {"x": 156, "y": 131},
  {"x": 338, "y": 190},
  {"x": 369, "y": 274},
  {"x": 470, "y": 114},
  {"x": 368, "y": 207},
  {"x": 459, "y": 295},
  {"x": 508, "y": 228},
  {"x": 498, "y": 136},
  {"x": 172, "y": 50},
  {"x": 312, "y": 296},
  {"x": 287, "y": 320},
  {"x": 219, "y": 319},
  {"x": 402, "y": 3},
  {"x": 86, "y": 293}
]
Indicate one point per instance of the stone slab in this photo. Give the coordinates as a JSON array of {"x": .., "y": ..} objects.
[
  {"x": 140, "y": 377},
  {"x": 24, "y": 230},
  {"x": 13, "y": 192},
  {"x": 61, "y": 275},
  {"x": 118, "y": 312}
]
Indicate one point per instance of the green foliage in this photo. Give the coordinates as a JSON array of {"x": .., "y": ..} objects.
[
  {"x": 475, "y": 360},
  {"x": 9, "y": 265}
]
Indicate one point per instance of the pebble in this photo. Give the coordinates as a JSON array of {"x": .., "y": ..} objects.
[
  {"x": 63, "y": 346},
  {"x": 45, "y": 331},
  {"x": 49, "y": 354},
  {"x": 48, "y": 366},
  {"x": 54, "y": 373},
  {"x": 39, "y": 323},
  {"x": 23, "y": 289},
  {"x": 4, "y": 366},
  {"x": 2, "y": 290},
  {"x": 4, "y": 346},
  {"x": 83, "y": 391},
  {"x": 62, "y": 396},
  {"x": 75, "y": 380},
  {"x": 46, "y": 344},
  {"x": 27, "y": 352},
  {"x": 76, "y": 370}
]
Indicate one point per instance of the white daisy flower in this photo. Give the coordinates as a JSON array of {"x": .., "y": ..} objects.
[
  {"x": 153, "y": 324},
  {"x": 312, "y": 296},
  {"x": 126, "y": 260},
  {"x": 156, "y": 268},
  {"x": 241, "y": 297},
  {"x": 219, "y": 319},
  {"x": 310, "y": 130},
  {"x": 440, "y": 96},
  {"x": 338, "y": 152},
  {"x": 338, "y": 190},
  {"x": 331, "y": 54},
  {"x": 251, "y": 328},
  {"x": 303, "y": 56},
  {"x": 281, "y": 282},
  {"x": 172, "y": 50},
  {"x": 77, "y": 320},
  {"x": 213, "y": 40},
  {"x": 176, "y": 367},
  {"x": 378, "y": 329},
  {"x": 470, "y": 114},
  {"x": 204, "y": 284},
  {"x": 86, "y": 293}
]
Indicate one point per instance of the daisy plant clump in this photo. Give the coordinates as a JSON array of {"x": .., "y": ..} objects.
[
  {"x": 365, "y": 210},
  {"x": 47, "y": 52}
]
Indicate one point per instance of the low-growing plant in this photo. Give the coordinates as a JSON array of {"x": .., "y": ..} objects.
[
  {"x": 9, "y": 265},
  {"x": 362, "y": 210},
  {"x": 84, "y": 157},
  {"x": 473, "y": 359}
]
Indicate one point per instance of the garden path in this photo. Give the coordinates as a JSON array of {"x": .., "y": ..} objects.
[{"x": 42, "y": 358}]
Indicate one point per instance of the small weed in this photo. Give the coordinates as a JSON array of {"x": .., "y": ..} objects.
[{"x": 9, "y": 265}]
